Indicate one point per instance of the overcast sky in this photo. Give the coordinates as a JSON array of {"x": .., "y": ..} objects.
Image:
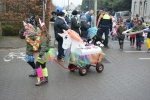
[{"x": 62, "y": 3}]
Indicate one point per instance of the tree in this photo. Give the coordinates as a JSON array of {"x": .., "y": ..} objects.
[
  {"x": 20, "y": 9},
  {"x": 48, "y": 12}
]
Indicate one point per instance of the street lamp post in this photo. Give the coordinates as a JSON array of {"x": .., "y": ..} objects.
[
  {"x": 95, "y": 9},
  {"x": 68, "y": 5},
  {"x": 44, "y": 8}
]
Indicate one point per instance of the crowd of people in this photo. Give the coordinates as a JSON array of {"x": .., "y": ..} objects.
[{"x": 38, "y": 38}]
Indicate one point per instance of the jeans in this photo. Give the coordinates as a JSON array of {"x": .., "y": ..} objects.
[
  {"x": 106, "y": 32},
  {"x": 121, "y": 41},
  {"x": 139, "y": 41},
  {"x": 60, "y": 49}
]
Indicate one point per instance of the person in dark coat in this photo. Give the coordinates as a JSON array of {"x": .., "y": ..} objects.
[
  {"x": 75, "y": 24},
  {"x": 60, "y": 25},
  {"x": 84, "y": 26}
]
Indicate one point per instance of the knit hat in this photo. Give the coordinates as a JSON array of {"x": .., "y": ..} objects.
[
  {"x": 105, "y": 9},
  {"x": 74, "y": 12},
  {"x": 83, "y": 18},
  {"x": 139, "y": 19},
  {"x": 60, "y": 13}
]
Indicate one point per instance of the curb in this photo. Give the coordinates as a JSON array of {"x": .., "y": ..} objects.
[{"x": 12, "y": 47}]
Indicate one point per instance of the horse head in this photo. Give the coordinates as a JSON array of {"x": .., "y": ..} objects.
[{"x": 66, "y": 39}]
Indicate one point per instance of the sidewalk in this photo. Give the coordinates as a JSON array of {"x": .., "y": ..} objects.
[{"x": 11, "y": 42}]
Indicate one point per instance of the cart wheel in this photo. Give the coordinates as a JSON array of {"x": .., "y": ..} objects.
[
  {"x": 99, "y": 67},
  {"x": 72, "y": 67},
  {"x": 82, "y": 71}
]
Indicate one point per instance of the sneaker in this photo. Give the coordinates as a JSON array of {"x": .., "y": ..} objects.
[
  {"x": 46, "y": 79},
  {"x": 33, "y": 74},
  {"x": 42, "y": 81},
  {"x": 148, "y": 51}
]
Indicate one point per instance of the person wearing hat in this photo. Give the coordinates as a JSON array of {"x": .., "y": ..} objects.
[
  {"x": 75, "y": 23},
  {"x": 105, "y": 25},
  {"x": 84, "y": 27},
  {"x": 53, "y": 18},
  {"x": 138, "y": 27},
  {"x": 59, "y": 25}
]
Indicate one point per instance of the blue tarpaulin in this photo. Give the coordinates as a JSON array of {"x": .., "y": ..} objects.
[{"x": 59, "y": 8}]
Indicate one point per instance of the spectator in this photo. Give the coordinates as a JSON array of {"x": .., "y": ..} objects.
[
  {"x": 84, "y": 27},
  {"x": 59, "y": 25},
  {"x": 53, "y": 16},
  {"x": 88, "y": 17},
  {"x": 75, "y": 23}
]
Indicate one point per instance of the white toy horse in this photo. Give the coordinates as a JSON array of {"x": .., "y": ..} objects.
[{"x": 71, "y": 40}]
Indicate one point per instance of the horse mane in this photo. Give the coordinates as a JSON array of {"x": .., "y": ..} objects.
[{"x": 74, "y": 35}]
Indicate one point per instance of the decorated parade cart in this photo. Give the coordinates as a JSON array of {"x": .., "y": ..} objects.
[{"x": 79, "y": 56}]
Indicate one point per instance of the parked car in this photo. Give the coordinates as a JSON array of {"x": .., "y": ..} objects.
[{"x": 123, "y": 15}]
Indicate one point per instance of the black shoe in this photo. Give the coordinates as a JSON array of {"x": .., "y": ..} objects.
[
  {"x": 148, "y": 51},
  {"x": 33, "y": 75},
  {"x": 139, "y": 49},
  {"x": 106, "y": 47}
]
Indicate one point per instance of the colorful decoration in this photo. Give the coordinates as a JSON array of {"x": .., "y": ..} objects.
[
  {"x": 83, "y": 59},
  {"x": 35, "y": 43},
  {"x": 48, "y": 56},
  {"x": 92, "y": 32}
]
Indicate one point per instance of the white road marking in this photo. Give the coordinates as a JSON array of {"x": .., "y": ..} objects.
[
  {"x": 144, "y": 58},
  {"x": 134, "y": 51}
]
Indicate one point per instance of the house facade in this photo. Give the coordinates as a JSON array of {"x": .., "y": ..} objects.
[
  {"x": 71, "y": 7},
  {"x": 141, "y": 7}
]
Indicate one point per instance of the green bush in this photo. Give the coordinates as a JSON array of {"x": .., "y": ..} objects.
[
  {"x": 9, "y": 30},
  {"x": 16, "y": 31}
]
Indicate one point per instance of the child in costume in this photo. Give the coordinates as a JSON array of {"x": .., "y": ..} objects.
[
  {"x": 139, "y": 27},
  {"x": 121, "y": 36},
  {"x": 42, "y": 72},
  {"x": 132, "y": 37},
  {"x": 30, "y": 34},
  {"x": 148, "y": 40}
]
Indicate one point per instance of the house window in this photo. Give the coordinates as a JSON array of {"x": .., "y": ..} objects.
[
  {"x": 145, "y": 8},
  {"x": 140, "y": 8},
  {"x": 135, "y": 7}
]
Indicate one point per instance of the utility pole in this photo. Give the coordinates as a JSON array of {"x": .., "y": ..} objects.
[
  {"x": 68, "y": 5},
  {"x": 95, "y": 14},
  {"x": 89, "y": 4},
  {"x": 44, "y": 8}
]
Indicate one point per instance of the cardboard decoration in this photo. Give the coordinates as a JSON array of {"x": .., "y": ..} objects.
[
  {"x": 128, "y": 32},
  {"x": 88, "y": 50}
]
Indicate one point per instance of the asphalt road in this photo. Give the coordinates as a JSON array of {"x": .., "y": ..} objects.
[{"x": 125, "y": 77}]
